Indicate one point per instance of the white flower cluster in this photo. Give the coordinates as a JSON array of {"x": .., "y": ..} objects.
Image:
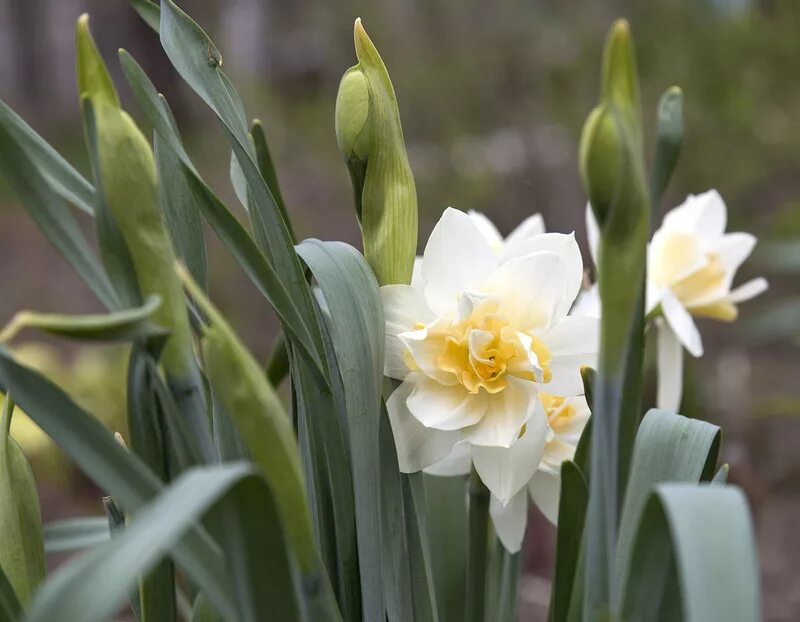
[{"x": 489, "y": 338}]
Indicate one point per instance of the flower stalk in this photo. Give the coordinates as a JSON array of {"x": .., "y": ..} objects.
[{"x": 474, "y": 610}]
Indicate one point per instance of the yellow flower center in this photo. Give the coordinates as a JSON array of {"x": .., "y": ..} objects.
[
  {"x": 483, "y": 350},
  {"x": 677, "y": 253},
  {"x": 559, "y": 411}
]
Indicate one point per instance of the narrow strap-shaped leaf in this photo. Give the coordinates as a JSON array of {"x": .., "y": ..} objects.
[
  {"x": 323, "y": 441},
  {"x": 73, "y": 593},
  {"x": 267, "y": 168},
  {"x": 75, "y": 534},
  {"x": 571, "y": 517},
  {"x": 53, "y": 218},
  {"x": 669, "y": 448},
  {"x": 149, "y": 11},
  {"x": 197, "y": 60},
  {"x": 447, "y": 532},
  {"x": 669, "y": 137},
  {"x": 277, "y": 367},
  {"x": 356, "y": 317},
  {"x": 125, "y": 325},
  {"x": 60, "y": 175},
  {"x": 695, "y": 557},
  {"x": 10, "y": 607},
  {"x": 503, "y": 582},
  {"x": 92, "y": 448},
  {"x": 180, "y": 212},
  {"x": 224, "y": 224}
]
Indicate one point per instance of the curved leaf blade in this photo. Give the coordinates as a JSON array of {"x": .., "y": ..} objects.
[
  {"x": 694, "y": 555},
  {"x": 92, "y": 587},
  {"x": 75, "y": 534},
  {"x": 669, "y": 448}
]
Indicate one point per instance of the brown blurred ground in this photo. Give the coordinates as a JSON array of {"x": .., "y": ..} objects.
[{"x": 492, "y": 96}]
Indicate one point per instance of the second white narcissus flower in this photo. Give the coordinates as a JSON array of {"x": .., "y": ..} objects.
[
  {"x": 566, "y": 419},
  {"x": 691, "y": 264},
  {"x": 474, "y": 340}
]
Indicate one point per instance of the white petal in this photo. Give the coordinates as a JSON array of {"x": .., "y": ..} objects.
[
  {"x": 733, "y": 249},
  {"x": 573, "y": 343},
  {"x": 424, "y": 347},
  {"x": 530, "y": 288},
  {"x": 670, "y": 369},
  {"x": 457, "y": 257},
  {"x": 545, "y": 490},
  {"x": 417, "y": 446},
  {"x": 417, "y": 280},
  {"x": 748, "y": 290},
  {"x": 403, "y": 307},
  {"x": 457, "y": 462},
  {"x": 505, "y": 415},
  {"x": 510, "y": 520},
  {"x": 531, "y": 227},
  {"x": 506, "y": 470},
  {"x": 592, "y": 233},
  {"x": 487, "y": 228},
  {"x": 588, "y": 303},
  {"x": 704, "y": 214},
  {"x": 682, "y": 323},
  {"x": 566, "y": 247},
  {"x": 672, "y": 256},
  {"x": 446, "y": 408}
]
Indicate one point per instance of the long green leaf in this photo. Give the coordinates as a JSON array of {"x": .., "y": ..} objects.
[
  {"x": 61, "y": 177},
  {"x": 695, "y": 558},
  {"x": 53, "y": 218},
  {"x": 75, "y": 534},
  {"x": 149, "y": 11},
  {"x": 356, "y": 316},
  {"x": 180, "y": 212},
  {"x": 669, "y": 448},
  {"x": 572, "y": 506},
  {"x": 224, "y": 224},
  {"x": 267, "y": 168},
  {"x": 10, "y": 607},
  {"x": 125, "y": 325},
  {"x": 197, "y": 60},
  {"x": 92, "y": 588},
  {"x": 90, "y": 445},
  {"x": 447, "y": 531},
  {"x": 669, "y": 138}
]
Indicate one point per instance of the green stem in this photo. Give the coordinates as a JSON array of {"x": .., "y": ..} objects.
[{"x": 478, "y": 549}]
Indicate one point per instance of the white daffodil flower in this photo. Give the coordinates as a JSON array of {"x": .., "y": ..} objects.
[
  {"x": 691, "y": 264},
  {"x": 505, "y": 248},
  {"x": 474, "y": 339},
  {"x": 566, "y": 419}
]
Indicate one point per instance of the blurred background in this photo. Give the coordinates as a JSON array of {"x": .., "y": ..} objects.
[{"x": 492, "y": 97}]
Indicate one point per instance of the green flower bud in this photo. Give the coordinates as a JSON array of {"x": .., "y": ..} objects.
[
  {"x": 21, "y": 541},
  {"x": 128, "y": 203},
  {"x": 352, "y": 116},
  {"x": 370, "y": 137},
  {"x": 620, "y": 79},
  {"x": 600, "y": 160}
]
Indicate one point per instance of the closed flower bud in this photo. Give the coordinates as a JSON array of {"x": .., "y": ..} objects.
[
  {"x": 600, "y": 159},
  {"x": 21, "y": 543},
  {"x": 352, "y": 116},
  {"x": 128, "y": 205},
  {"x": 370, "y": 137}
]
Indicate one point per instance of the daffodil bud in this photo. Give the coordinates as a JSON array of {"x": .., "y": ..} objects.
[
  {"x": 370, "y": 137},
  {"x": 21, "y": 542},
  {"x": 352, "y": 116},
  {"x": 620, "y": 79},
  {"x": 133, "y": 239},
  {"x": 611, "y": 154},
  {"x": 600, "y": 159}
]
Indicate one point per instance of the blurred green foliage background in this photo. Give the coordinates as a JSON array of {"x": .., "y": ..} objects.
[{"x": 492, "y": 97}]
